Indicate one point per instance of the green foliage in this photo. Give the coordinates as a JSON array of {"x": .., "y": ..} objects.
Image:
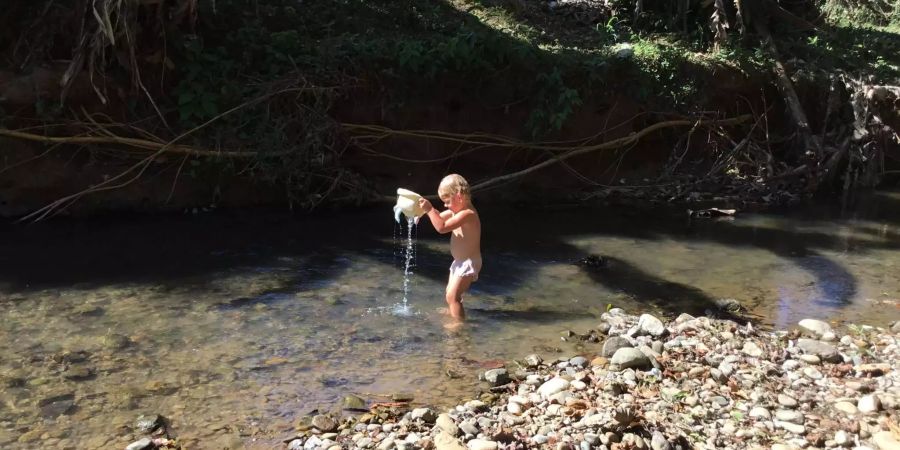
[
  {"x": 863, "y": 50},
  {"x": 748, "y": 59},
  {"x": 662, "y": 73},
  {"x": 862, "y": 12},
  {"x": 204, "y": 81},
  {"x": 555, "y": 103},
  {"x": 613, "y": 30}
]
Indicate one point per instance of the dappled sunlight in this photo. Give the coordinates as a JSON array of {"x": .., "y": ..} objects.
[{"x": 258, "y": 317}]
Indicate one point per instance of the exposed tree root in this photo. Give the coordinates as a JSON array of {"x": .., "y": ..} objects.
[
  {"x": 559, "y": 152},
  {"x": 127, "y": 142},
  {"x": 789, "y": 94},
  {"x": 135, "y": 171}
]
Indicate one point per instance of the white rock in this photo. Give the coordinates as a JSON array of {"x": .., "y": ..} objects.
[
  {"x": 145, "y": 443},
  {"x": 553, "y": 386},
  {"x": 811, "y": 359},
  {"x": 312, "y": 443},
  {"x": 884, "y": 440},
  {"x": 812, "y": 373},
  {"x": 386, "y": 444},
  {"x": 476, "y": 406},
  {"x": 816, "y": 327},
  {"x": 444, "y": 441},
  {"x": 520, "y": 399},
  {"x": 792, "y": 427},
  {"x": 651, "y": 325},
  {"x": 842, "y": 438},
  {"x": 515, "y": 408},
  {"x": 760, "y": 413},
  {"x": 553, "y": 410},
  {"x": 787, "y": 401},
  {"x": 425, "y": 414},
  {"x": 751, "y": 349},
  {"x": 783, "y": 447},
  {"x": 846, "y": 408},
  {"x": 868, "y": 404},
  {"x": 480, "y": 444},
  {"x": 446, "y": 424},
  {"x": 789, "y": 415}
]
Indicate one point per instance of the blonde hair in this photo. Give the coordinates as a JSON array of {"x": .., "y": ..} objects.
[{"x": 454, "y": 184}]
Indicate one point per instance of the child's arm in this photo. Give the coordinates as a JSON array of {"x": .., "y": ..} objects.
[
  {"x": 445, "y": 221},
  {"x": 444, "y": 224}
]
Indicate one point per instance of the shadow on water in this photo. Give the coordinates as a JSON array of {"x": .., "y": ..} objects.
[
  {"x": 672, "y": 297},
  {"x": 534, "y": 315},
  {"x": 799, "y": 247},
  {"x": 165, "y": 251}
]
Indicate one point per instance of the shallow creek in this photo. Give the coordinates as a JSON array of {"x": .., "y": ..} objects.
[{"x": 235, "y": 324}]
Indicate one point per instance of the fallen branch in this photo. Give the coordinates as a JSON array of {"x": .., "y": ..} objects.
[
  {"x": 615, "y": 143},
  {"x": 126, "y": 141},
  {"x": 559, "y": 152},
  {"x": 141, "y": 165}
]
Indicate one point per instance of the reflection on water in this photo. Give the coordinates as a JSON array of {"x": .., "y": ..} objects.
[{"x": 232, "y": 326}]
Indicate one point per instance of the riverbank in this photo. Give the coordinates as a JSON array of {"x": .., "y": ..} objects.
[
  {"x": 693, "y": 382},
  {"x": 565, "y": 100}
]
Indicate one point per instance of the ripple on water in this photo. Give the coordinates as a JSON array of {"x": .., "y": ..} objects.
[{"x": 270, "y": 330}]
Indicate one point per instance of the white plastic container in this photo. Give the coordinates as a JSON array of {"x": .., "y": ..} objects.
[{"x": 408, "y": 205}]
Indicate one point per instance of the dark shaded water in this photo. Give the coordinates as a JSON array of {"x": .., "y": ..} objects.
[{"x": 233, "y": 325}]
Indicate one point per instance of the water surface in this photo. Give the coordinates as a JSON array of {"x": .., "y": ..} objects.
[{"x": 233, "y": 325}]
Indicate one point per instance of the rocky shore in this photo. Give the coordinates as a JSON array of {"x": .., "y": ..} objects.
[{"x": 694, "y": 382}]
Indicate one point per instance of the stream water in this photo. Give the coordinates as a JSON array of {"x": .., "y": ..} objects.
[{"x": 233, "y": 325}]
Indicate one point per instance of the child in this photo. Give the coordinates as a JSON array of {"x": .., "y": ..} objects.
[{"x": 465, "y": 244}]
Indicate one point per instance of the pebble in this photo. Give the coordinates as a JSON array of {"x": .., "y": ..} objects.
[
  {"x": 846, "y": 408},
  {"x": 868, "y": 404},
  {"x": 811, "y": 359},
  {"x": 787, "y": 401},
  {"x": 713, "y": 383}
]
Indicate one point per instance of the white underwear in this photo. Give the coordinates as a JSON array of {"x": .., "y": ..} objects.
[{"x": 466, "y": 268}]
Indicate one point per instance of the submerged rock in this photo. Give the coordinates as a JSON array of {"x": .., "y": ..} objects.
[
  {"x": 354, "y": 403},
  {"x": 58, "y": 405},
  {"x": 146, "y": 424},
  {"x": 116, "y": 341}
]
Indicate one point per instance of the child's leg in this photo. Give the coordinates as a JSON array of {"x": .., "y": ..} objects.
[{"x": 456, "y": 287}]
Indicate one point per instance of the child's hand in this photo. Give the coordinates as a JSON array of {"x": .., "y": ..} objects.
[{"x": 425, "y": 204}]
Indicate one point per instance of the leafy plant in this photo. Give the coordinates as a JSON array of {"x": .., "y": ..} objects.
[
  {"x": 204, "y": 84},
  {"x": 555, "y": 103}
]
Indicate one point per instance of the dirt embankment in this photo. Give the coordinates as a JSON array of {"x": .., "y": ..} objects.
[{"x": 36, "y": 174}]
